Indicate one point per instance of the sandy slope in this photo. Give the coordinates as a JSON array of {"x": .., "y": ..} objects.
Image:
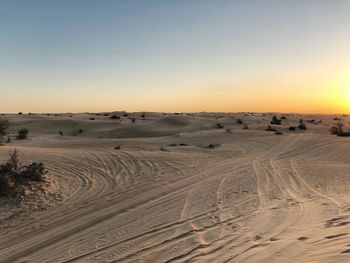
[{"x": 258, "y": 197}]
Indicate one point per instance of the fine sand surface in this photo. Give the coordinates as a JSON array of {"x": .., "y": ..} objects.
[{"x": 256, "y": 197}]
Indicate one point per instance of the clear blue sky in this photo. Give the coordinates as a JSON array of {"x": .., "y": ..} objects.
[{"x": 69, "y": 55}]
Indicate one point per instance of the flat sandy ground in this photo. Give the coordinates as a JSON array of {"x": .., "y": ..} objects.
[{"x": 255, "y": 197}]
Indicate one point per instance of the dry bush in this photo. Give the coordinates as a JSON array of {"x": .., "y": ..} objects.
[
  {"x": 302, "y": 126},
  {"x": 269, "y": 128},
  {"x": 22, "y": 134},
  {"x": 3, "y": 126},
  {"x": 114, "y": 117},
  {"x": 13, "y": 175},
  {"x": 275, "y": 120},
  {"x": 219, "y": 125}
]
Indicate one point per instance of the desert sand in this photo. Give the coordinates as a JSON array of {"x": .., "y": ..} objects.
[{"x": 165, "y": 196}]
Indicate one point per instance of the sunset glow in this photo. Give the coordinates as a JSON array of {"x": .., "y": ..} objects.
[{"x": 175, "y": 56}]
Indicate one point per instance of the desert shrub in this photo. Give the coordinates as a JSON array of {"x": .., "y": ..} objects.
[
  {"x": 117, "y": 147},
  {"x": 239, "y": 121},
  {"x": 143, "y": 115},
  {"x": 22, "y": 134},
  {"x": 133, "y": 119},
  {"x": 337, "y": 128},
  {"x": 33, "y": 171},
  {"x": 92, "y": 119},
  {"x": 20, "y": 113},
  {"x": 13, "y": 174},
  {"x": 80, "y": 131},
  {"x": 344, "y": 134},
  {"x": 125, "y": 115},
  {"x": 213, "y": 145},
  {"x": 302, "y": 126},
  {"x": 219, "y": 125},
  {"x": 163, "y": 149},
  {"x": 269, "y": 128},
  {"x": 114, "y": 117},
  {"x": 278, "y": 133},
  {"x": 275, "y": 120},
  {"x": 61, "y": 133},
  {"x": 4, "y": 184},
  {"x": 292, "y": 128}
]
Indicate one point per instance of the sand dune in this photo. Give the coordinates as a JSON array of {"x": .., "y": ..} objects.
[{"x": 256, "y": 197}]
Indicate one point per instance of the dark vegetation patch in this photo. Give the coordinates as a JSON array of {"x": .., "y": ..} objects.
[
  {"x": 269, "y": 128},
  {"x": 14, "y": 176},
  {"x": 276, "y": 121},
  {"x": 22, "y": 134}
]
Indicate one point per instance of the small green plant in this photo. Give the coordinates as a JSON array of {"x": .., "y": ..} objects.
[{"x": 3, "y": 126}]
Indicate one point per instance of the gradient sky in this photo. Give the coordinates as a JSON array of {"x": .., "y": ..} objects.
[{"x": 70, "y": 55}]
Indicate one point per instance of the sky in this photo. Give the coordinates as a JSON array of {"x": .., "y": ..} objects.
[{"x": 181, "y": 55}]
